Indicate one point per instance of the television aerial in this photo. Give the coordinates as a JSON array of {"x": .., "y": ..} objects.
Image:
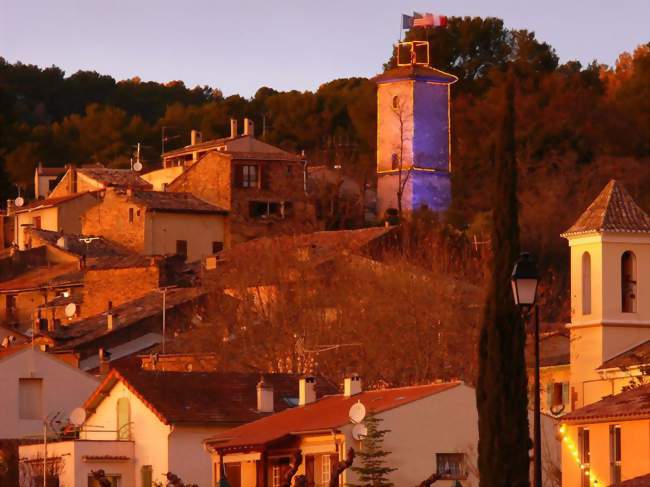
[
  {"x": 70, "y": 310},
  {"x": 357, "y": 412}
]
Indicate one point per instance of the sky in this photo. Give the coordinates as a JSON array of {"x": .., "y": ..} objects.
[{"x": 241, "y": 45}]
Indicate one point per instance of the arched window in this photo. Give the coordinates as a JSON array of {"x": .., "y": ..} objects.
[
  {"x": 123, "y": 419},
  {"x": 586, "y": 283},
  {"x": 396, "y": 102},
  {"x": 394, "y": 161},
  {"x": 628, "y": 282}
]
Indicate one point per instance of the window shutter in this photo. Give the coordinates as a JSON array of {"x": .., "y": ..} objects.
[
  {"x": 565, "y": 393},
  {"x": 549, "y": 395},
  {"x": 265, "y": 174},
  {"x": 239, "y": 176}
]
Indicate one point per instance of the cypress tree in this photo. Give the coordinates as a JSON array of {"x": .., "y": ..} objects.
[
  {"x": 373, "y": 469},
  {"x": 501, "y": 392}
]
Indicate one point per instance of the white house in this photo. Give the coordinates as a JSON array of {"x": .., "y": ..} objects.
[
  {"x": 34, "y": 386},
  {"x": 142, "y": 424}
]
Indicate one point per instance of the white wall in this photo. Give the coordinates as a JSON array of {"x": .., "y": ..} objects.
[
  {"x": 64, "y": 388},
  {"x": 149, "y": 433},
  {"x": 187, "y": 457}
]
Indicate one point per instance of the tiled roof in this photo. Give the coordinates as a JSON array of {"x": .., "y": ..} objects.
[
  {"x": 119, "y": 262},
  {"x": 642, "y": 481},
  {"x": 262, "y": 156},
  {"x": 328, "y": 413},
  {"x": 115, "y": 177},
  {"x": 613, "y": 210},
  {"x": 174, "y": 202},
  {"x": 208, "y": 144},
  {"x": 637, "y": 355},
  {"x": 38, "y": 278},
  {"x": 554, "y": 350},
  {"x": 203, "y": 397},
  {"x": 415, "y": 72},
  {"x": 89, "y": 329},
  {"x": 50, "y": 202},
  {"x": 631, "y": 404},
  {"x": 50, "y": 171},
  {"x": 96, "y": 246}
]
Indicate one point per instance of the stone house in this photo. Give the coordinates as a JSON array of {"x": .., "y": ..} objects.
[
  {"x": 158, "y": 223},
  {"x": 142, "y": 424},
  {"x": 96, "y": 178},
  {"x": 46, "y": 179}
]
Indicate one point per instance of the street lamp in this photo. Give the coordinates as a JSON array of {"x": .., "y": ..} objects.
[{"x": 524, "y": 282}]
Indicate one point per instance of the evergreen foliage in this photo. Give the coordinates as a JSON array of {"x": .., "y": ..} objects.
[
  {"x": 501, "y": 392},
  {"x": 374, "y": 468}
]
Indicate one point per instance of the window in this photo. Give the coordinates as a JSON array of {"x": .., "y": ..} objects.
[
  {"x": 276, "y": 476},
  {"x": 451, "y": 466},
  {"x": 181, "y": 248},
  {"x": 146, "y": 474},
  {"x": 557, "y": 396},
  {"x": 123, "y": 419},
  {"x": 130, "y": 215},
  {"x": 326, "y": 469},
  {"x": 396, "y": 102},
  {"x": 394, "y": 161},
  {"x": 233, "y": 474},
  {"x": 217, "y": 247},
  {"x": 289, "y": 171},
  {"x": 51, "y": 184},
  {"x": 585, "y": 455},
  {"x": 10, "y": 303},
  {"x": 265, "y": 209},
  {"x": 30, "y": 398},
  {"x": 615, "y": 453},
  {"x": 628, "y": 282},
  {"x": 36, "y": 221},
  {"x": 246, "y": 176},
  {"x": 113, "y": 479},
  {"x": 586, "y": 283}
]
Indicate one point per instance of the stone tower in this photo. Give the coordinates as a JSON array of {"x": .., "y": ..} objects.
[
  {"x": 413, "y": 137},
  {"x": 610, "y": 301}
]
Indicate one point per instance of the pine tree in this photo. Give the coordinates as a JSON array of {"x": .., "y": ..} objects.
[
  {"x": 374, "y": 469},
  {"x": 501, "y": 393}
]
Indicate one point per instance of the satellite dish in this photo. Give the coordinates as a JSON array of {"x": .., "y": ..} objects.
[
  {"x": 359, "y": 432},
  {"x": 19, "y": 202},
  {"x": 77, "y": 416},
  {"x": 70, "y": 310},
  {"x": 137, "y": 167},
  {"x": 357, "y": 412}
]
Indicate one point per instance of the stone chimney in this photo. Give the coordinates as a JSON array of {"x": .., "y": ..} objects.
[
  {"x": 307, "y": 390},
  {"x": 233, "y": 128},
  {"x": 249, "y": 127},
  {"x": 195, "y": 137},
  {"x": 352, "y": 385},
  {"x": 264, "y": 397}
]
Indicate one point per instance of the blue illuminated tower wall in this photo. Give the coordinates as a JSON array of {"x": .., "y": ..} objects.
[{"x": 413, "y": 125}]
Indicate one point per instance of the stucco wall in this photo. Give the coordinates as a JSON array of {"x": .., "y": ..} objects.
[
  {"x": 64, "y": 388},
  {"x": 162, "y": 177},
  {"x": 431, "y": 131},
  {"x": 187, "y": 457},
  {"x": 49, "y": 221}
]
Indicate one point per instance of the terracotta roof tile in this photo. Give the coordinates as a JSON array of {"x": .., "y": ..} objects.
[
  {"x": 50, "y": 171},
  {"x": 37, "y": 278},
  {"x": 328, "y": 413},
  {"x": 174, "y": 202},
  {"x": 631, "y": 404},
  {"x": 554, "y": 350},
  {"x": 637, "y": 355},
  {"x": 50, "y": 202},
  {"x": 415, "y": 72},
  {"x": 203, "y": 397},
  {"x": 96, "y": 246},
  {"x": 115, "y": 177},
  {"x": 642, "y": 481},
  {"x": 613, "y": 210}
]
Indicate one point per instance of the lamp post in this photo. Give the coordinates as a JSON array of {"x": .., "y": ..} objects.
[{"x": 524, "y": 282}]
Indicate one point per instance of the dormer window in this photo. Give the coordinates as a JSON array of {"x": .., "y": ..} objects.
[{"x": 628, "y": 282}]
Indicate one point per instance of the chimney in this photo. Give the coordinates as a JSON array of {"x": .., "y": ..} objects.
[
  {"x": 264, "y": 397},
  {"x": 104, "y": 359},
  {"x": 73, "y": 178},
  {"x": 249, "y": 127},
  {"x": 233, "y": 128},
  {"x": 307, "y": 390},
  {"x": 111, "y": 321},
  {"x": 195, "y": 137},
  {"x": 352, "y": 385}
]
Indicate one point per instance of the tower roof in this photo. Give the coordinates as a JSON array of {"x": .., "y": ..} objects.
[
  {"x": 613, "y": 210},
  {"x": 415, "y": 72}
]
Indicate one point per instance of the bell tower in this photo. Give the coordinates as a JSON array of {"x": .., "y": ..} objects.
[
  {"x": 413, "y": 132},
  {"x": 610, "y": 302}
]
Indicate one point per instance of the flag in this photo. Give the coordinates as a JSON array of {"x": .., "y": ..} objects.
[
  {"x": 430, "y": 20},
  {"x": 407, "y": 21}
]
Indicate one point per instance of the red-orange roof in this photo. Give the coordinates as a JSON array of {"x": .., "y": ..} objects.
[
  {"x": 50, "y": 202},
  {"x": 328, "y": 413},
  {"x": 37, "y": 278},
  {"x": 631, "y": 404}
]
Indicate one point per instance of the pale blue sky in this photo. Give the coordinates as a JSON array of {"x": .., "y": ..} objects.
[{"x": 240, "y": 45}]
